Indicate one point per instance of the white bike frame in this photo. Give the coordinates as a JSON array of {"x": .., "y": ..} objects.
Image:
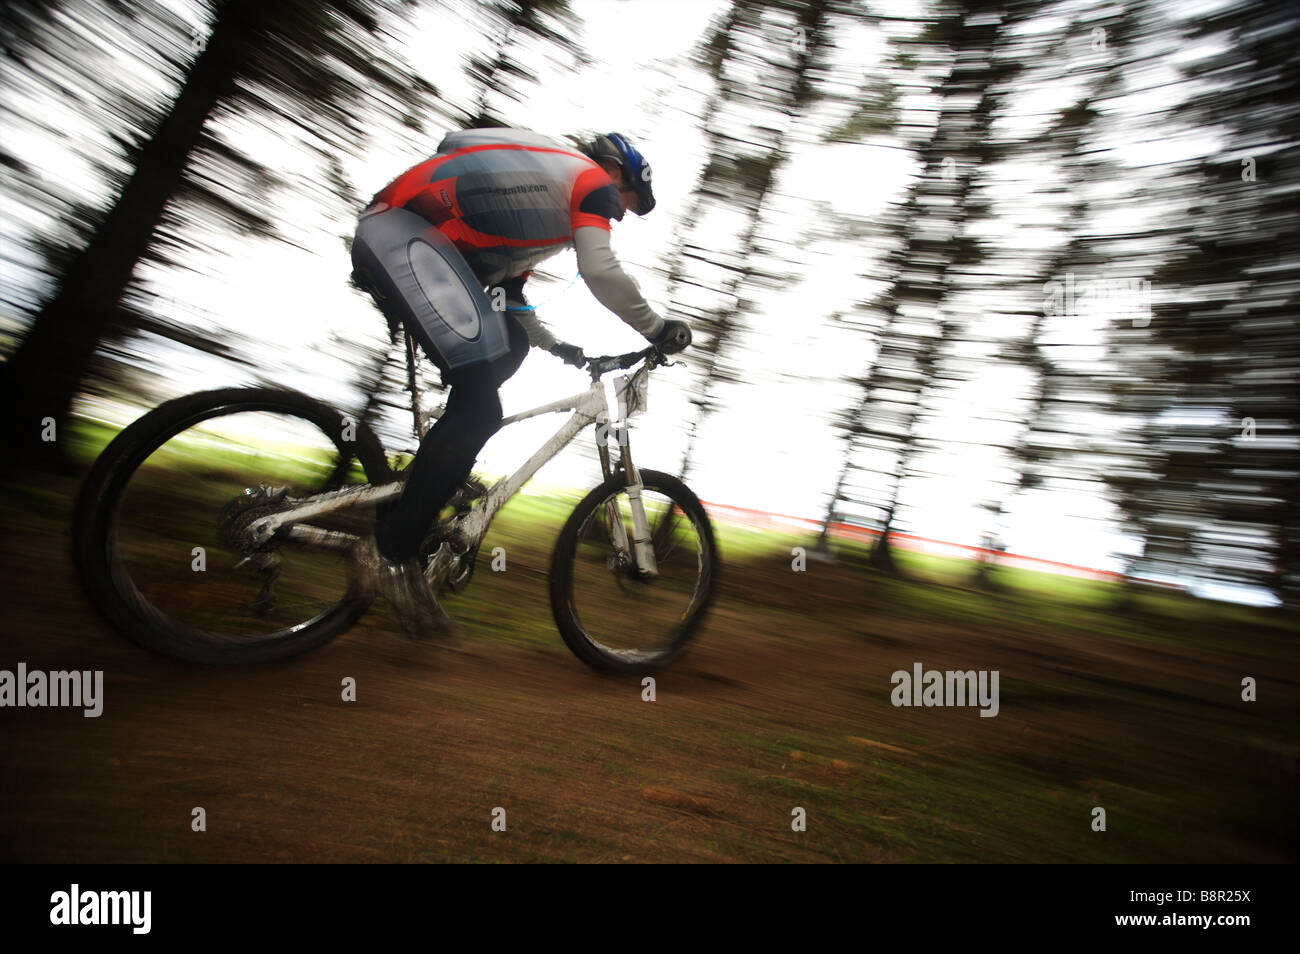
[{"x": 589, "y": 407}]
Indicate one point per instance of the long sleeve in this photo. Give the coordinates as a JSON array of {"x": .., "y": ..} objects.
[
  {"x": 612, "y": 286},
  {"x": 539, "y": 336}
]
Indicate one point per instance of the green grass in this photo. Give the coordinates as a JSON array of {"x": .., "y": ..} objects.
[
  {"x": 195, "y": 451},
  {"x": 935, "y": 585}
]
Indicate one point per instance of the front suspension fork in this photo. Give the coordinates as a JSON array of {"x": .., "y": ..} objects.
[{"x": 642, "y": 547}]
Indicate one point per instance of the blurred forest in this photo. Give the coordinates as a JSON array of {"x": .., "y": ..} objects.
[{"x": 1095, "y": 247}]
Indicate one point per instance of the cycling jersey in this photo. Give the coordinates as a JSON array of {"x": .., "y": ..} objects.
[
  {"x": 507, "y": 198},
  {"x": 501, "y": 201}
]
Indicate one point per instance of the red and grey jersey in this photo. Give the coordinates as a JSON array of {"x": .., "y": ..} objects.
[{"x": 508, "y": 198}]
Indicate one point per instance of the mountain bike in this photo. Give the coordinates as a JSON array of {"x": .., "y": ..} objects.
[{"x": 219, "y": 527}]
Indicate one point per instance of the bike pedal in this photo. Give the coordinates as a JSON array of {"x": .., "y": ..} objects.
[{"x": 438, "y": 566}]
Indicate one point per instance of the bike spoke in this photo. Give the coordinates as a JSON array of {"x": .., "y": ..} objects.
[
  {"x": 169, "y": 536},
  {"x": 621, "y": 610}
]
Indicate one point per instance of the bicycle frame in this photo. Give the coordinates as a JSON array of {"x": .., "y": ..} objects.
[{"x": 589, "y": 407}]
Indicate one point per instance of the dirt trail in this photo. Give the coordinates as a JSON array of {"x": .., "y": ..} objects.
[{"x": 784, "y": 705}]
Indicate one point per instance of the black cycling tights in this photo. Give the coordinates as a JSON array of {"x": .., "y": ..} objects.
[{"x": 447, "y": 453}]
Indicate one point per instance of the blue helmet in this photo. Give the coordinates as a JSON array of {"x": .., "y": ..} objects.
[{"x": 619, "y": 148}]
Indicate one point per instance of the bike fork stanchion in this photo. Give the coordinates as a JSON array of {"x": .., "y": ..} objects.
[
  {"x": 643, "y": 546},
  {"x": 617, "y": 532},
  {"x": 603, "y": 451}
]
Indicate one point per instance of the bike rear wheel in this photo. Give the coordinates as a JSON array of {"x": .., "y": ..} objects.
[
  {"x": 611, "y": 617},
  {"x": 158, "y": 517}
]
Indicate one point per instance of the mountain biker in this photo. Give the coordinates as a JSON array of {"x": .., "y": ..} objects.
[{"x": 445, "y": 249}]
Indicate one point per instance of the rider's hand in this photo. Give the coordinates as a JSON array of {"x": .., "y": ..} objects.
[
  {"x": 675, "y": 336},
  {"x": 569, "y": 354}
]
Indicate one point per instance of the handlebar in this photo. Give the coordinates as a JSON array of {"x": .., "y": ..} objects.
[{"x": 621, "y": 362}]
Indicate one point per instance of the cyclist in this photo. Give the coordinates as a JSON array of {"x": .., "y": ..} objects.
[{"x": 445, "y": 249}]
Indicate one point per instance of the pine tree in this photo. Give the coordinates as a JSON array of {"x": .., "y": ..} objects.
[{"x": 288, "y": 59}]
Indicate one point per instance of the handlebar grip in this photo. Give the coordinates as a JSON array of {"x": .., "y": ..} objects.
[{"x": 605, "y": 363}]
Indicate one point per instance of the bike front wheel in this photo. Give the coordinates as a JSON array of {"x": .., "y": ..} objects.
[
  {"x": 614, "y": 617},
  {"x": 159, "y": 517}
]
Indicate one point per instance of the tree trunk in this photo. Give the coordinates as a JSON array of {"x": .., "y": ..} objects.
[
  {"x": 882, "y": 554},
  {"x": 42, "y": 377},
  {"x": 823, "y": 544}
]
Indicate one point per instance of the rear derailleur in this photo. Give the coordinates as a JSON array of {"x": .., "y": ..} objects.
[{"x": 235, "y": 526}]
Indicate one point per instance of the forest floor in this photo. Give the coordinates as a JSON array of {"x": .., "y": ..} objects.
[{"x": 783, "y": 704}]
